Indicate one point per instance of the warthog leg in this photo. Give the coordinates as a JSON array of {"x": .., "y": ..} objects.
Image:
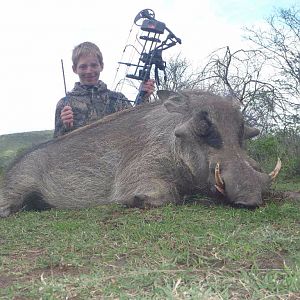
[{"x": 4, "y": 212}]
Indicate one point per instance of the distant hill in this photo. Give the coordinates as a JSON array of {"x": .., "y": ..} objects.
[{"x": 11, "y": 144}]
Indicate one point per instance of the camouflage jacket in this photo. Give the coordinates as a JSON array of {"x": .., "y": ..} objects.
[{"x": 89, "y": 103}]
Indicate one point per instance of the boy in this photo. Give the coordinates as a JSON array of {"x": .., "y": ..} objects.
[{"x": 90, "y": 99}]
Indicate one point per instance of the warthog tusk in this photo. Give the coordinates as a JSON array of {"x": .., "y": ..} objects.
[
  {"x": 276, "y": 170},
  {"x": 219, "y": 181}
]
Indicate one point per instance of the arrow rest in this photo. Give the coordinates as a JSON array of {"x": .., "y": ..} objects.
[{"x": 152, "y": 39}]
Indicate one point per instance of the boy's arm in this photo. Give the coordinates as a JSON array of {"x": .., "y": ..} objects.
[{"x": 59, "y": 128}]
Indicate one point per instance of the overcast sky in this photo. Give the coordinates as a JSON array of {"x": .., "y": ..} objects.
[{"x": 36, "y": 35}]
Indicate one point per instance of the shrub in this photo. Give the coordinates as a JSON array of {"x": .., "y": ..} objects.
[{"x": 282, "y": 144}]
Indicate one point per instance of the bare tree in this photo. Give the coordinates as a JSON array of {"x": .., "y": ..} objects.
[
  {"x": 180, "y": 75},
  {"x": 280, "y": 45},
  {"x": 244, "y": 75},
  {"x": 265, "y": 78}
]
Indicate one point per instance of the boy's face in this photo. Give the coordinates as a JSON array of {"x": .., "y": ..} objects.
[{"x": 88, "y": 69}]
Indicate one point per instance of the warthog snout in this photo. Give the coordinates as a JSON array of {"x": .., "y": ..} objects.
[{"x": 241, "y": 184}]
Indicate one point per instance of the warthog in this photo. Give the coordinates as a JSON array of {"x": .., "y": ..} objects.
[{"x": 186, "y": 143}]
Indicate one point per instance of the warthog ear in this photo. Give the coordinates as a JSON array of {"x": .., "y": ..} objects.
[
  {"x": 173, "y": 101},
  {"x": 250, "y": 132}
]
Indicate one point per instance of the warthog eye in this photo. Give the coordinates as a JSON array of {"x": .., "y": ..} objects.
[
  {"x": 206, "y": 130},
  {"x": 213, "y": 138}
]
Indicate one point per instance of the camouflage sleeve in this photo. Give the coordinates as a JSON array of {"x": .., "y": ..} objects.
[
  {"x": 122, "y": 102},
  {"x": 59, "y": 128}
]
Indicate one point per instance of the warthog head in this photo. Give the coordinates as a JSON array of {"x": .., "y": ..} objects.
[{"x": 210, "y": 141}]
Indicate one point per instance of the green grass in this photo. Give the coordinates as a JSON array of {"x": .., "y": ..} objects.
[
  {"x": 194, "y": 251},
  {"x": 12, "y": 144},
  {"x": 292, "y": 184}
]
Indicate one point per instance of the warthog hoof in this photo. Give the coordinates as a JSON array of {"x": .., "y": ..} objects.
[{"x": 4, "y": 212}]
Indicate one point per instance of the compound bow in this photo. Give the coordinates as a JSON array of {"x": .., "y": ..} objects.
[{"x": 152, "y": 48}]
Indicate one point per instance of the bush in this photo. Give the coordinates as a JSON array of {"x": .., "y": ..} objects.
[{"x": 283, "y": 144}]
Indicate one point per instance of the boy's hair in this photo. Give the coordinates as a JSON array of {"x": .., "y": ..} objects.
[{"x": 86, "y": 48}]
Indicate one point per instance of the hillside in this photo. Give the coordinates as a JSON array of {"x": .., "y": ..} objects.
[{"x": 11, "y": 144}]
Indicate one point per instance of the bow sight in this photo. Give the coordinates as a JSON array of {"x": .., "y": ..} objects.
[{"x": 151, "y": 53}]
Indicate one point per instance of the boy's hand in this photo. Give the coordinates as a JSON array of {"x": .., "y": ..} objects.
[
  {"x": 67, "y": 116},
  {"x": 149, "y": 87}
]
